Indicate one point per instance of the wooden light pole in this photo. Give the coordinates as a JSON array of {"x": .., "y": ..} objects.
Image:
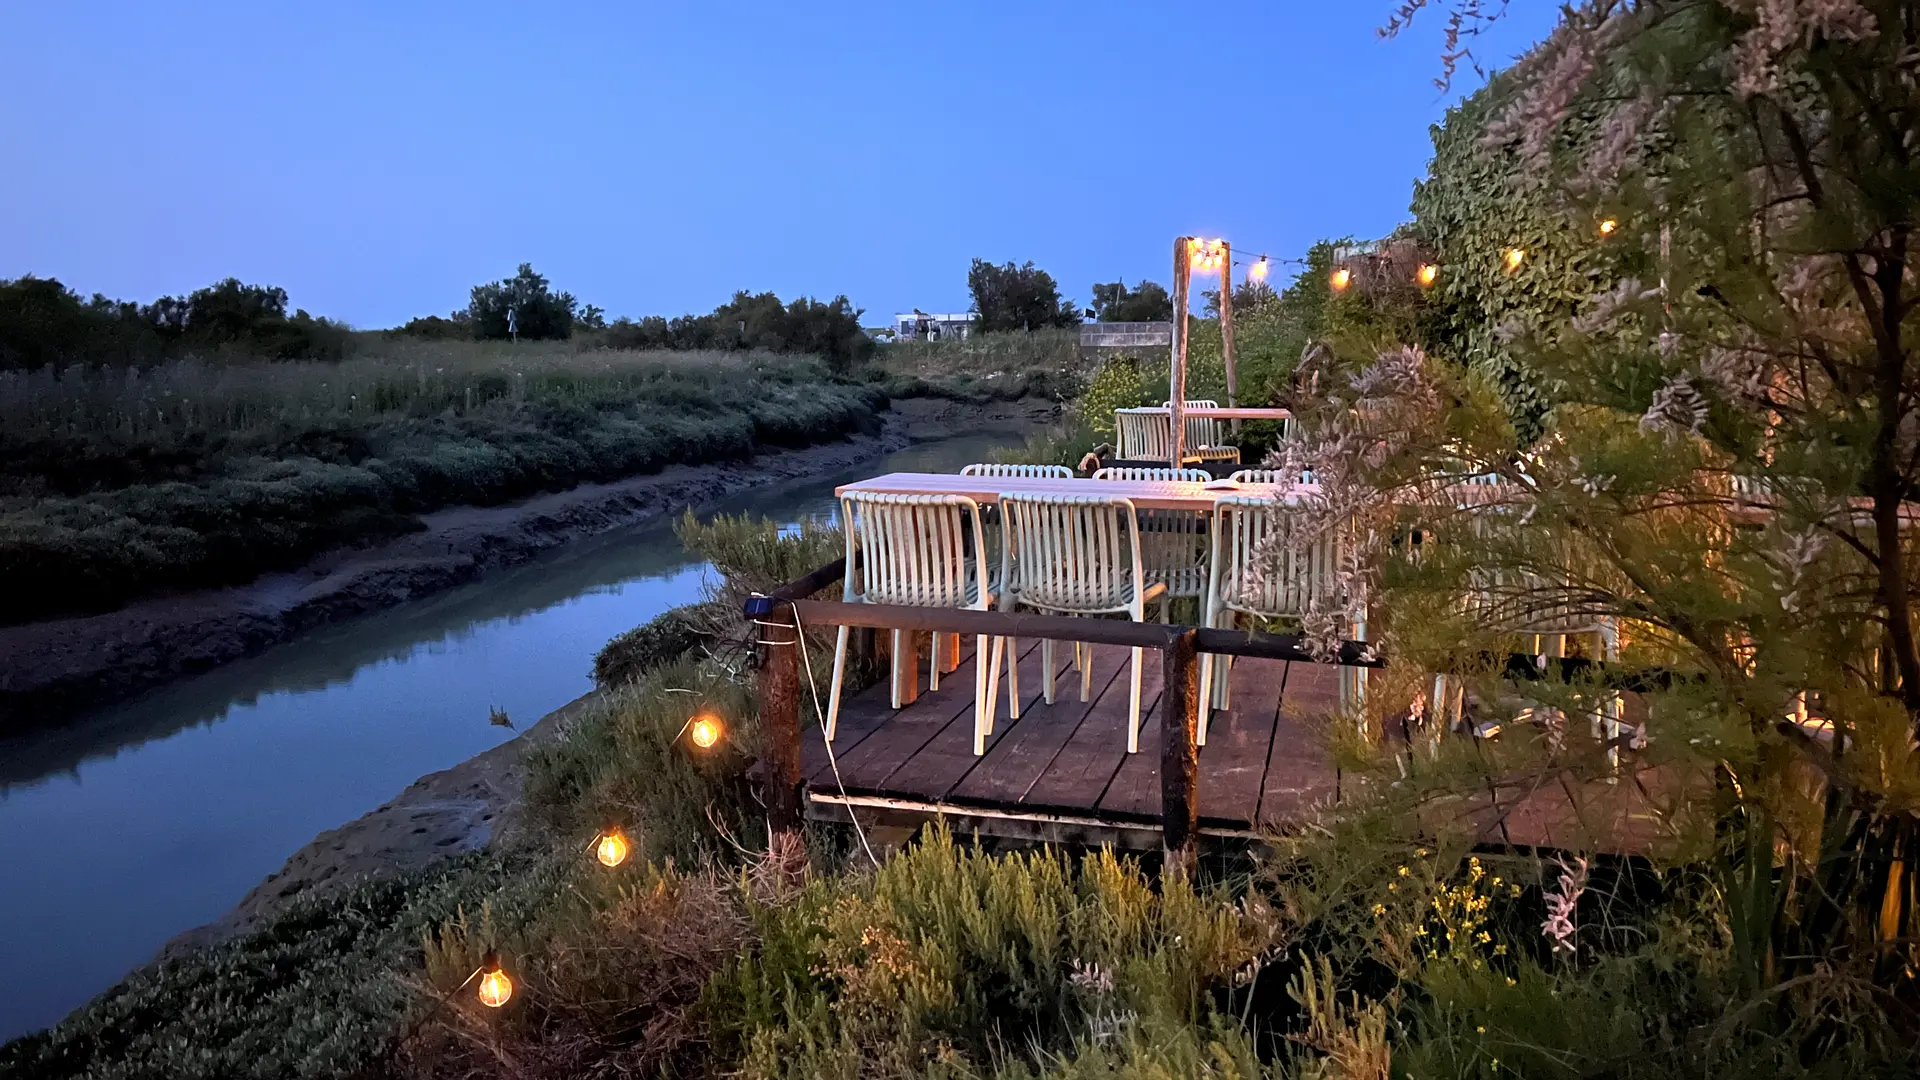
[
  {"x": 1177, "y": 370},
  {"x": 1226, "y": 325}
]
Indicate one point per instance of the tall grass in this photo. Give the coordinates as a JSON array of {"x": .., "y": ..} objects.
[{"x": 115, "y": 484}]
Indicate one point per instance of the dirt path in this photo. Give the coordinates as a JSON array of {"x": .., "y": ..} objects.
[{"x": 50, "y": 671}]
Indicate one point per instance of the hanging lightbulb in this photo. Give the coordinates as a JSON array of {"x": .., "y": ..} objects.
[
  {"x": 1258, "y": 271},
  {"x": 495, "y": 988},
  {"x": 705, "y": 730},
  {"x": 1515, "y": 256},
  {"x": 1341, "y": 279},
  {"x": 1426, "y": 274},
  {"x": 611, "y": 849}
]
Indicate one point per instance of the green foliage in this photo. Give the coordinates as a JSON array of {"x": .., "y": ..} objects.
[
  {"x": 1117, "y": 385},
  {"x": 660, "y": 640},
  {"x": 1145, "y": 302},
  {"x": 42, "y": 323},
  {"x": 949, "y": 959},
  {"x": 1066, "y": 442},
  {"x": 1017, "y": 297},
  {"x": 309, "y": 995},
  {"x": 114, "y": 486},
  {"x": 455, "y": 327},
  {"x": 830, "y": 330},
  {"x": 539, "y": 313}
]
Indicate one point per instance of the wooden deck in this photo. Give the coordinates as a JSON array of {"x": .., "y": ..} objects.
[{"x": 1061, "y": 771}]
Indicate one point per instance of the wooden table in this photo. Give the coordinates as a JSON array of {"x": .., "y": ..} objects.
[
  {"x": 1242, "y": 412},
  {"x": 1146, "y": 494}
]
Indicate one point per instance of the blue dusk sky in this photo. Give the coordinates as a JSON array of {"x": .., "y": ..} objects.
[{"x": 378, "y": 159}]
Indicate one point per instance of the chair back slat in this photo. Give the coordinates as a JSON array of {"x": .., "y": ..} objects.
[
  {"x": 1143, "y": 434},
  {"x": 1076, "y": 553},
  {"x": 1259, "y": 570},
  {"x": 1044, "y": 472},
  {"x": 913, "y": 550},
  {"x": 1115, "y": 473}
]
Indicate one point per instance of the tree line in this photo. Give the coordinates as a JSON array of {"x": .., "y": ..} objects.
[{"x": 43, "y": 322}]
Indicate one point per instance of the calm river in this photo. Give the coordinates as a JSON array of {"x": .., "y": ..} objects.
[{"x": 156, "y": 816}]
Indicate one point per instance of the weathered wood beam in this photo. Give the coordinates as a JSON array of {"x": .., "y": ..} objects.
[{"x": 1179, "y": 760}]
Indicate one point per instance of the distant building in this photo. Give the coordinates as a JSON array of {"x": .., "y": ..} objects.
[
  {"x": 1125, "y": 335},
  {"x": 921, "y": 326}
]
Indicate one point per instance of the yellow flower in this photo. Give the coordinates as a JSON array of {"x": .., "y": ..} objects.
[
  {"x": 1403, "y": 871},
  {"x": 1496, "y": 879},
  {"x": 1510, "y": 981},
  {"x": 1393, "y": 886},
  {"x": 1420, "y": 851},
  {"x": 1500, "y": 950},
  {"x": 1516, "y": 890},
  {"x": 1379, "y": 909},
  {"x": 1482, "y": 1029}
]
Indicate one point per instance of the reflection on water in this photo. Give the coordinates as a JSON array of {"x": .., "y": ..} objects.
[{"x": 155, "y": 816}]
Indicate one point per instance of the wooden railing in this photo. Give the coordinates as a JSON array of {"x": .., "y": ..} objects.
[{"x": 782, "y": 612}]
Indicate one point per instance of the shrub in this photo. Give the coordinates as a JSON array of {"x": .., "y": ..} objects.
[
  {"x": 1117, "y": 385},
  {"x": 662, "y": 640}
]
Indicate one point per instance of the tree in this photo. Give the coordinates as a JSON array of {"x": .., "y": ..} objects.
[
  {"x": 1690, "y": 225},
  {"x": 540, "y": 314},
  {"x": 1146, "y": 302},
  {"x": 1017, "y": 297}
]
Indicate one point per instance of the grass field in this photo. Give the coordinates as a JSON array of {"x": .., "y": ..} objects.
[{"x": 118, "y": 483}]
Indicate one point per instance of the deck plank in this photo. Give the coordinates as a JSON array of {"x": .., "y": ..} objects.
[
  {"x": 1233, "y": 764},
  {"x": 1013, "y": 763},
  {"x": 1081, "y": 771},
  {"x": 948, "y": 757},
  {"x": 866, "y": 766},
  {"x": 1299, "y": 772},
  {"x": 861, "y": 714}
]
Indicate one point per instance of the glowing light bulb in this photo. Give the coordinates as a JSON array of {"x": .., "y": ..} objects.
[
  {"x": 1258, "y": 271},
  {"x": 612, "y": 848},
  {"x": 1342, "y": 278},
  {"x": 1426, "y": 274},
  {"x": 705, "y": 730},
  {"x": 1515, "y": 256},
  {"x": 1607, "y": 227},
  {"x": 495, "y": 988}
]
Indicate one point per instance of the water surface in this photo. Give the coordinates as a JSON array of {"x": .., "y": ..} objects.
[{"x": 155, "y": 816}]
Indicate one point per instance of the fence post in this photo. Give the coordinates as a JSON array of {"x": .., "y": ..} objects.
[
  {"x": 1179, "y": 762},
  {"x": 780, "y": 724}
]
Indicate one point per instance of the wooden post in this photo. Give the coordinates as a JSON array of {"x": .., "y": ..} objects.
[
  {"x": 1226, "y": 327},
  {"x": 1179, "y": 761},
  {"x": 1177, "y": 369},
  {"x": 780, "y": 723}
]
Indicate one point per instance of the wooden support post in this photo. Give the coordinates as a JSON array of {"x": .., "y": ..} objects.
[
  {"x": 1177, "y": 368},
  {"x": 1179, "y": 760},
  {"x": 1226, "y": 327},
  {"x": 780, "y": 725}
]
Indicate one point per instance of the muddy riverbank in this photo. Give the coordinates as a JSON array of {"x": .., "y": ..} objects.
[{"x": 56, "y": 669}]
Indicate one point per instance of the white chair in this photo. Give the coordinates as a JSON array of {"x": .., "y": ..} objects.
[
  {"x": 1047, "y": 472},
  {"x": 1071, "y": 555},
  {"x": 1143, "y": 434},
  {"x": 1254, "y": 572},
  {"x": 915, "y": 551},
  {"x": 1173, "y": 542},
  {"x": 1524, "y": 602},
  {"x": 1206, "y": 437},
  {"x": 1255, "y": 476}
]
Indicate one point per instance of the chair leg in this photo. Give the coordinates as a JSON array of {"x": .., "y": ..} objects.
[
  {"x": 1133, "y": 704},
  {"x": 933, "y": 664},
  {"x": 1206, "y": 696},
  {"x": 989, "y": 693},
  {"x": 982, "y": 696},
  {"x": 900, "y": 638},
  {"x": 1086, "y": 672},
  {"x": 1013, "y": 678},
  {"x": 839, "y": 673},
  {"x": 1046, "y": 668}
]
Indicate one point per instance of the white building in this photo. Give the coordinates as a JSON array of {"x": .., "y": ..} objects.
[{"x": 921, "y": 326}]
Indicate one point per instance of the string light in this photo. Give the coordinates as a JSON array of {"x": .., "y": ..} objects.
[
  {"x": 705, "y": 730},
  {"x": 495, "y": 988},
  {"x": 1515, "y": 256},
  {"x": 1341, "y": 279},
  {"x": 611, "y": 848},
  {"x": 1426, "y": 274},
  {"x": 1607, "y": 227},
  {"x": 1206, "y": 256},
  {"x": 1258, "y": 272}
]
